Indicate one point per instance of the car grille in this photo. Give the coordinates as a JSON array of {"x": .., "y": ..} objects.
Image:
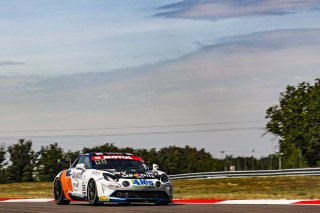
[{"x": 139, "y": 194}]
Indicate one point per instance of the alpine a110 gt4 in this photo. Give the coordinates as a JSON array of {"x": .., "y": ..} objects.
[{"x": 112, "y": 177}]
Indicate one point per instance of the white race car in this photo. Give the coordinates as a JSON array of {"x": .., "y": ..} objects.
[{"x": 112, "y": 177}]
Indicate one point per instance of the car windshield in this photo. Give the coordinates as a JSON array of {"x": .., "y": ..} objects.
[{"x": 119, "y": 165}]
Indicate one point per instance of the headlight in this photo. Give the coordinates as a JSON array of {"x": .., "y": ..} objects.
[
  {"x": 110, "y": 177},
  {"x": 164, "y": 178}
]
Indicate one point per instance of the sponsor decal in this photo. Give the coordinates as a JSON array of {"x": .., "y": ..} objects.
[
  {"x": 137, "y": 175},
  {"x": 116, "y": 157},
  {"x": 96, "y": 173},
  {"x": 103, "y": 187},
  {"x": 104, "y": 198},
  {"x": 84, "y": 188},
  {"x": 142, "y": 183},
  {"x": 75, "y": 184},
  {"x": 114, "y": 186},
  {"x": 77, "y": 174},
  {"x": 100, "y": 162}
]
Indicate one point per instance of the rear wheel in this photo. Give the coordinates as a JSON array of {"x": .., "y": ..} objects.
[
  {"x": 92, "y": 193},
  {"x": 58, "y": 194}
]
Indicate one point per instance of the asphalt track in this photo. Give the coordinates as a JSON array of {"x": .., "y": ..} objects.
[{"x": 78, "y": 207}]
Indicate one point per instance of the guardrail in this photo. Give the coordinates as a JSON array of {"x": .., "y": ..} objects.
[{"x": 252, "y": 173}]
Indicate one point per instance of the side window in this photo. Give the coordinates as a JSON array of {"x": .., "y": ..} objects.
[
  {"x": 81, "y": 160},
  {"x": 87, "y": 162},
  {"x": 84, "y": 160}
]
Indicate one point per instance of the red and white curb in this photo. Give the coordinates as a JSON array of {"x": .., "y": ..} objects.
[
  {"x": 22, "y": 200},
  {"x": 250, "y": 202},
  {"x": 194, "y": 201}
]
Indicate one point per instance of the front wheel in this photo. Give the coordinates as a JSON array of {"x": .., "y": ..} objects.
[
  {"x": 92, "y": 193},
  {"x": 58, "y": 194}
]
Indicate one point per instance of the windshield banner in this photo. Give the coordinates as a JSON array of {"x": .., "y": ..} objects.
[{"x": 116, "y": 157}]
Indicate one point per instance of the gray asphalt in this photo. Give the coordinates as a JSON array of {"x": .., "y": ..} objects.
[{"x": 216, "y": 208}]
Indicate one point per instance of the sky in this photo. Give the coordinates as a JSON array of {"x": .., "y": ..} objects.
[{"x": 146, "y": 74}]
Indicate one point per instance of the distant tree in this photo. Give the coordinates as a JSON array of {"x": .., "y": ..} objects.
[
  {"x": 108, "y": 147},
  {"x": 68, "y": 158},
  {"x": 296, "y": 121},
  {"x": 3, "y": 178},
  {"x": 149, "y": 156},
  {"x": 22, "y": 162},
  {"x": 176, "y": 160},
  {"x": 48, "y": 164},
  {"x": 2, "y": 156}
]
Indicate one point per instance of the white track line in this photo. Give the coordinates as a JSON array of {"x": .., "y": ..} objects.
[
  {"x": 38, "y": 200},
  {"x": 259, "y": 202}
]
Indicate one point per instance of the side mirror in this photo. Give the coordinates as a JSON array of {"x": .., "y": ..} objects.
[
  {"x": 155, "y": 167},
  {"x": 80, "y": 166}
]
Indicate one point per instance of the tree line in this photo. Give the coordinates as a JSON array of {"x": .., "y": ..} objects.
[
  {"x": 23, "y": 164},
  {"x": 295, "y": 122}
]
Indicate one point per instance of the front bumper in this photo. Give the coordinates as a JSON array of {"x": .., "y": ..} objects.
[
  {"x": 116, "y": 192},
  {"x": 140, "y": 196}
]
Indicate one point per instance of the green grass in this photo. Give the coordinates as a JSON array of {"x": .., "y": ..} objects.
[
  {"x": 26, "y": 190},
  {"x": 299, "y": 187}
]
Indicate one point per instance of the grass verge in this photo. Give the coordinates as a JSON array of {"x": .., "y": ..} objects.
[
  {"x": 26, "y": 190},
  {"x": 295, "y": 187}
]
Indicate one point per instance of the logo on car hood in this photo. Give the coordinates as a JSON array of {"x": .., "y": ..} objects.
[
  {"x": 134, "y": 175},
  {"x": 142, "y": 183}
]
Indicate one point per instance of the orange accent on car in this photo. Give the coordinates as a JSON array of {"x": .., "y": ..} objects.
[
  {"x": 64, "y": 182},
  {"x": 69, "y": 183}
]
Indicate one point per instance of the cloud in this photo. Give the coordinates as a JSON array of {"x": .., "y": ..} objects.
[
  {"x": 269, "y": 40},
  {"x": 220, "y": 9},
  {"x": 210, "y": 76},
  {"x": 13, "y": 83},
  {"x": 204, "y": 66},
  {"x": 9, "y": 63},
  {"x": 237, "y": 79}
]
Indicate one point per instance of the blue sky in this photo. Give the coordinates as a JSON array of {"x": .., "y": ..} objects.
[{"x": 139, "y": 63}]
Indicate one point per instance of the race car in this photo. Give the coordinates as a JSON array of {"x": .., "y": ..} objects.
[{"x": 112, "y": 177}]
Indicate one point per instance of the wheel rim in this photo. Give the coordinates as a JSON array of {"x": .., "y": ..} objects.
[
  {"x": 57, "y": 190},
  {"x": 92, "y": 191}
]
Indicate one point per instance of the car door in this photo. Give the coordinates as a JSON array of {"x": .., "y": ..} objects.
[{"x": 78, "y": 176}]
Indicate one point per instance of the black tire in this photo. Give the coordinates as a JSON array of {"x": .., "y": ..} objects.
[
  {"x": 58, "y": 194},
  {"x": 92, "y": 193}
]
